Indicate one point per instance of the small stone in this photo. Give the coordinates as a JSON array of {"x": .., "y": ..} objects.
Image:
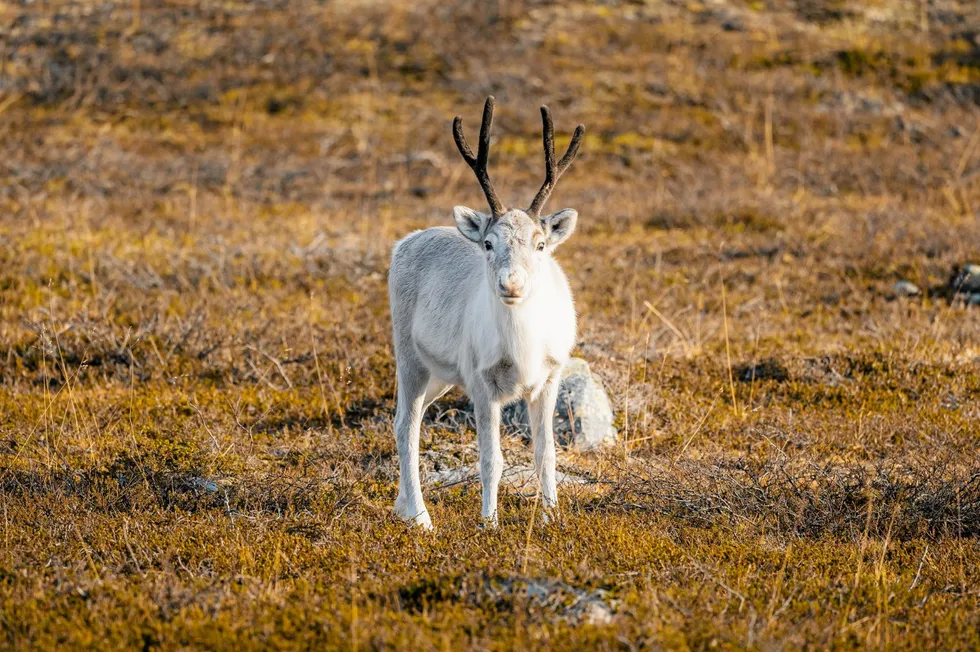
[
  {"x": 966, "y": 280},
  {"x": 583, "y": 414},
  {"x": 204, "y": 484},
  {"x": 906, "y": 289},
  {"x": 595, "y": 612},
  {"x": 563, "y": 601},
  {"x": 732, "y": 25}
]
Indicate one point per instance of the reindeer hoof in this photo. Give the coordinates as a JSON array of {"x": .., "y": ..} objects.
[
  {"x": 415, "y": 517},
  {"x": 550, "y": 514}
]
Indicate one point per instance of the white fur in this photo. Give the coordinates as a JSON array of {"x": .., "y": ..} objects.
[{"x": 458, "y": 320}]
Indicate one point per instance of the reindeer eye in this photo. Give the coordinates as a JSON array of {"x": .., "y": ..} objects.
[
  {"x": 540, "y": 246},
  {"x": 487, "y": 245}
]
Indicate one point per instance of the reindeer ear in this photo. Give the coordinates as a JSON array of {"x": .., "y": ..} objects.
[
  {"x": 558, "y": 226},
  {"x": 471, "y": 223}
]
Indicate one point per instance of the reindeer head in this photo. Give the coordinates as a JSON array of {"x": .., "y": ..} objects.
[{"x": 516, "y": 241}]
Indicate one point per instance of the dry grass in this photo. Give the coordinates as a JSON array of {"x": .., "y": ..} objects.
[{"x": 197, "y": 205}]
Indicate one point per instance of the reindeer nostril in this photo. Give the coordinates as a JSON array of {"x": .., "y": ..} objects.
[
  {"x": 508, "y": 288},
  {"x": 511, "y": 287},
  {"x": 511, "y": 283}
]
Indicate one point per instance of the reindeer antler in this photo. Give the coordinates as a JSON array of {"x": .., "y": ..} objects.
[
  {"x": 552, "y": 171},
  {"x": 479, "y": 162}
]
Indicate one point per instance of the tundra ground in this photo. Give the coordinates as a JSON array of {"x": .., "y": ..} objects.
[{"x": 196, "y": 382}]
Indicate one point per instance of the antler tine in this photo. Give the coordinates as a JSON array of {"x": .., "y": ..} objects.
[
  {"x": 552, "y": 171},
  {"x": 460, "y": 139},
  {"x": 572, "y": 150},
  {"x": 483, "y": 155},
  {"x": 548, "y": 134},
  {"x": 479, "y": 162}
]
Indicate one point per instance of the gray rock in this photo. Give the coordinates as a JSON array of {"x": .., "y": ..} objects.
[
  {"x": 966, "y": 280},
  {"x": 906, "y": 289},
  {"x": 563, "y": 601},
  {"x": 519, "y": 477},
  {"x": 203, "y": 484},
  {"x": 583, "y": 414},
  {"x": 965, "y": 284}
]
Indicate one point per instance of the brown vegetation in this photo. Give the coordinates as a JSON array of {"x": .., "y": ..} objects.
[{"x": 196, "y": 380}]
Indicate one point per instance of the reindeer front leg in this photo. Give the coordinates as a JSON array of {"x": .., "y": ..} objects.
[
  {"x": 541, "y": 410},
  {"x": 487, "y": 411}
]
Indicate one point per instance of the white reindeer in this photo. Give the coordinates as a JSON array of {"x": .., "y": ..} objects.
[{"x": 484, "y": 306}]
